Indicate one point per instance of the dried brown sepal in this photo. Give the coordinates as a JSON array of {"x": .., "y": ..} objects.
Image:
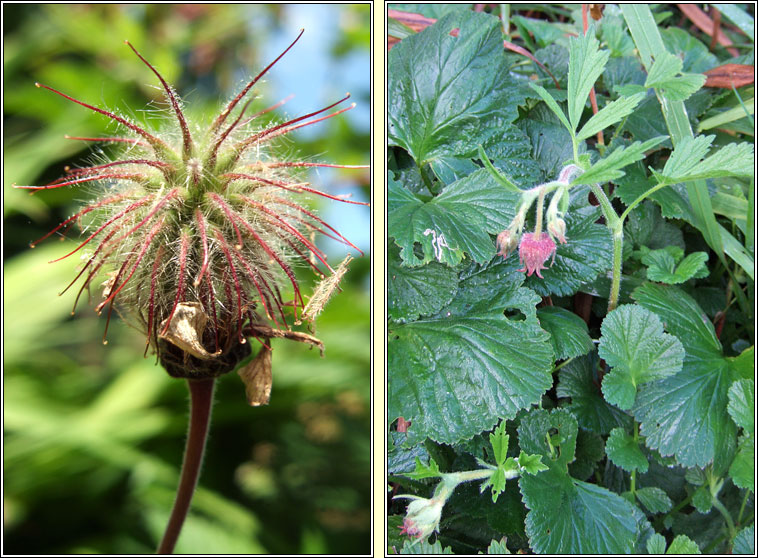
[
  {"x": 324, "y": 292},
  {"x": 262, "y": 331},
  {"x": 186, "y": 330},
  {"x": 257, "y": 377}
]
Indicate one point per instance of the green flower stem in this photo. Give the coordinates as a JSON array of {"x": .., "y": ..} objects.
[
  {"x": 201, "y": 399},
  {"x": 540, "y": 204},
  {"x": 616, "y": 226}
]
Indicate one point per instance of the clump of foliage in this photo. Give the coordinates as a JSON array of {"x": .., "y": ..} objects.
[{"x": 571, "y": 261}]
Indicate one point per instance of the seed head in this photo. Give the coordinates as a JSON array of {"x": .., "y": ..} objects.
[{"x": 201, "y": 221}]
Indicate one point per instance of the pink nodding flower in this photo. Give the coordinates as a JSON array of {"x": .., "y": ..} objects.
[{"x": 534, "y": 252}]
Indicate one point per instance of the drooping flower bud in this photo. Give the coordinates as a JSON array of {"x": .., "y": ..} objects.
[
  {"x": 506, "y": 242},
  {"x": 422, "y": 517},
  {"x": 534, "y": 251},
  {"x": 557, "y": 229}
]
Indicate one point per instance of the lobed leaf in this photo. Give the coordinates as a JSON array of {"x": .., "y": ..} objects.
[
  {"x": 609, "y": 168},
  {"x": 624, "y": 451},
  {"x": 633, "y": 343},
  {"x": 568, "y": 332}
]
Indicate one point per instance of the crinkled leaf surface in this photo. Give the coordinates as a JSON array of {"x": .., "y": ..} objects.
[
  {"x": 456, "y": 373},
  {"x": 579, "y": 381},
  {"x": 568, "y": 332},
  {"x": 633, "y": 343},
  {"x": 685, "y": 414},
  {"x": 417, "y": 291},
  {"x": 444, "y": 88},
  {"x": 459, "y": 221},
  {"x": 624, "y": 451},
  {"x": 682, "y": 544},
  {"x": 586, "y": 254},
  {"x": 567, "y": 516}
]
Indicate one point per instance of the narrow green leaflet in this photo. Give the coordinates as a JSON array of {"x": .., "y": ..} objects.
[
  {"x": 624, "y": 451},
  {"x": 458, "y": 373},
  {"x": 444, "y": 88},
  {"x": 499, "y": 441},
  {"x": 459, "y": 221},
  {"x": 633, "y": 343},
  {"x": 654, "y": 499},
  {"x": 568, "y": 332},
  {"x": 609, "y": 168},
  {"x": 609, "y": 115},
  {"x": 417, "y": 291},
  {"x": 686, "y": 162},
  {"x": 567, "y": 516},
  {"x": 685, "y": 414},
  {"x": 663, "y": 76},
  {"x": 586, "y": 63},
  {"x": 552, "y": 104},
  {"x": 663, "y": 268},
  {"x": 578, "y": 380}
]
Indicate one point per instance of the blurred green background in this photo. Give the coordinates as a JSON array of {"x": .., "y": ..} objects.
[{"x": 94, "y": 434}]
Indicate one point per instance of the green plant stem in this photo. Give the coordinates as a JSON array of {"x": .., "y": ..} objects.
[
  {"x": 727, "y": 517},
  {"x": 742, "y": 507},
  {"x": 201, "y": 399}
]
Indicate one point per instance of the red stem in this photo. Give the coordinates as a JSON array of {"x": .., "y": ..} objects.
[{"x": 201, "y": 399}]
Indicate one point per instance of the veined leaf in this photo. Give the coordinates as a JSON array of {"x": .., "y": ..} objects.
[
  {"x": 654, "y": 499},
  {"x": 443, "y": 88},
  {"x": 458, "y": 221},
  {"x": 457, "y": 374},
  {"x": 742, "y": 404},
  {"x": 663, "y": 268},
  {"x": 609, "y": 168},
  {"x": 685, "y": 164},
  {"x": 552, "y": 104},
  {"x": 610, "y": 114},
  {"x": 417, "y": 291}
]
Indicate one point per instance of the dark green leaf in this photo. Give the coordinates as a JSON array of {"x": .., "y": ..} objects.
[
  {"x": 568, "y": 516},
  {"x": 663, "y": 268},
  {"x": 578, "y": 380},
  {"x": 417, "y": 291},
  {"x": 568, "y": 332},
  {"x": 443, "y": 88},
  {"x": 741, "y": 405}
]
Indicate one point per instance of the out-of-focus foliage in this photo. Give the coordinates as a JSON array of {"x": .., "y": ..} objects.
[{"x": 94, "y": 434}]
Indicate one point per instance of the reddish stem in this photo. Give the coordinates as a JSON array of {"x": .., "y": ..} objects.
[{"x": 201, "y": 399}]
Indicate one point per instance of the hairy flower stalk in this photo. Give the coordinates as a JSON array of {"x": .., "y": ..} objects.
[{"x": 198, "y": 231}]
